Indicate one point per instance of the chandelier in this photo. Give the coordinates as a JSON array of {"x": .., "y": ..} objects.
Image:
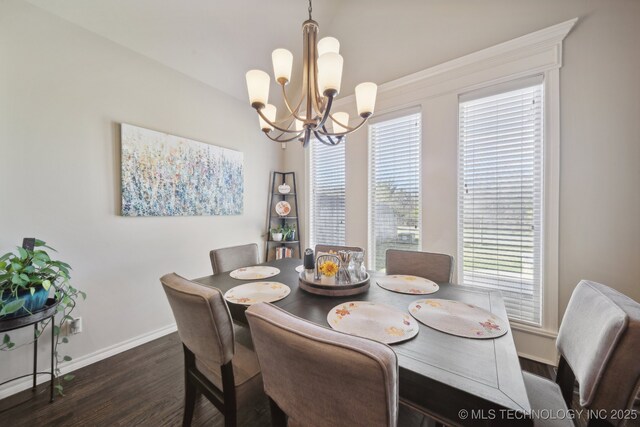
[{"x": 321, "y": 78}]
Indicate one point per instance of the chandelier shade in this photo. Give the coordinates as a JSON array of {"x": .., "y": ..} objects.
[{"x": 310, "y": 115}]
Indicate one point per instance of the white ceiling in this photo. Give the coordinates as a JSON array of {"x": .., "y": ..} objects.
[{"x": 217, "y": 41}]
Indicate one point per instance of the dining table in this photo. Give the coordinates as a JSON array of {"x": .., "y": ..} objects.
[{"x": 456, "y": 380}]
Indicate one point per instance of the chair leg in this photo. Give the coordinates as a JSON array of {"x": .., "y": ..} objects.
[
  {"x": 229, "y": 391},
  {"x": 190, "y": 395},
  {"x": 278, "y": 417},
  {"x": 565, "y": 378},
  {"x": 190, "y": 389}
]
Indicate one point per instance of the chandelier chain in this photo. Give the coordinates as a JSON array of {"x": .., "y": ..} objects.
[{"x": 310, "y": 8}]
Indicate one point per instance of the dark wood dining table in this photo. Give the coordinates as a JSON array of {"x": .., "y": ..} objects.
[{"x": 443, "y": 374}]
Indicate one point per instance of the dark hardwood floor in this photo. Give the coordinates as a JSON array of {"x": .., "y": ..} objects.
[{"x": 142, "y": 386}]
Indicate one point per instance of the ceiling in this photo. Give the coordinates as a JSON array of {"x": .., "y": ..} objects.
[{"x": 217, "y": 41}]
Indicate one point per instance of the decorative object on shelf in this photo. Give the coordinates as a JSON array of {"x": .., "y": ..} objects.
[
  {"x": 254, "y": 272},
  {"x": 405, "y": 284},
  {"x": 321, "y": 80},
  {"x": 283, "y": 217},
  {"x": 27, "y": 276},
  {"x": 290, "y": 232},
  {"x": 374, "y": 321},
  {"x": 277, "y": 234},
  {"x": 253, "y": 293},
  {"x": 458, "y": 318},
  {"x": 283, "y": 208},
  {"x": 284, "y": 188},
  {"x": 166, "y": 175}
]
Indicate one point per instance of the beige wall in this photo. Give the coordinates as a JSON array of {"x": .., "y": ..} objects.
[
  {"x": 63, "y": 92},
  {"x": 600, "y": 131}
]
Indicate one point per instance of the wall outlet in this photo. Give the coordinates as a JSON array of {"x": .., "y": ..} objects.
[{"x": 75, "y": 326}]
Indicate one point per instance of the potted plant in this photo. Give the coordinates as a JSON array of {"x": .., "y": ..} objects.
[
  {"x": 27, "y": 277},
  {"x": 328, "y": 270},
  {"x": 290, "y": 232},
  {"x": 277, "y": 234}
]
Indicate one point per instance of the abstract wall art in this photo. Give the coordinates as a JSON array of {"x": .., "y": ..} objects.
[{"x": 166, "y": 175}]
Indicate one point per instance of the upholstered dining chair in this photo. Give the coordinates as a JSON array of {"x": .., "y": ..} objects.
[
  {"x": 318, "y": 377},
  {"x": 227, "y": 259},
  {"x": 219, "y": 363},
  {"x": 599, "y": 344},
  {"x": 432, "y": 266},
  {"x": 336, "y": 248}
]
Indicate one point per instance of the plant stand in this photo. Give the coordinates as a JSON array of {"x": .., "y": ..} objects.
[
  {"x": 12, "y": 323},
  {"x": 278, "y": 179}
]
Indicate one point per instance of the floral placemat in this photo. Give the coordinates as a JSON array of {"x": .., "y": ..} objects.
[
  {"x": 458, "y": 318},
  {"x": 253, "y": 293},
  {"x": 255, "y": 272},
  {"x": 372, "y": 320},
  {"x": 406, "y": 284}
]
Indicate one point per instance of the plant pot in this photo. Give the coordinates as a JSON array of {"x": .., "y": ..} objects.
[
  {"x": 32, "y": 303},
  {"x": 276, "y": 237},
  {"x": 292, "y": 235}
]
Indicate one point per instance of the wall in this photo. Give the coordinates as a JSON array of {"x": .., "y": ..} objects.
[
  {"x": 599, "y": 236},
  {"x": 63, "y": 92}
]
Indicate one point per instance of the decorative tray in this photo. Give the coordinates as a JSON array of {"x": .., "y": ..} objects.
[{"x": 332, "y": 290}]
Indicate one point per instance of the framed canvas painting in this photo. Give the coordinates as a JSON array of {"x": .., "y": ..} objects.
[{"x": 167, "y": 175}]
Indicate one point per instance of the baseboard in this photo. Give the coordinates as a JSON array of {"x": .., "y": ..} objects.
[
  {"x": 88, "y": 359},
  {"x": 536, "y": 346}
]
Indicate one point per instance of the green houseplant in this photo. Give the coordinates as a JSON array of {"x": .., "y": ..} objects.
[{"x": 27, "y": 277}]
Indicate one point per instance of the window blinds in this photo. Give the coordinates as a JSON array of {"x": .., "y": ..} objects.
[
  {"x": 327, "y": 213},
  {"x": 500, "y": 197},
  {"x": 394, "y": 187}
]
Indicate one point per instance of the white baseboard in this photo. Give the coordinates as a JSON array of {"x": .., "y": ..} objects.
[
  {"x": 88, "y": 359},
  {"x": 536, "y": 346}
]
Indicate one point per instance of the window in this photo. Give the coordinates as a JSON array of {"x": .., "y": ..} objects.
[
  {"x": 327, "y": 213},
  {"x": 394, "y": 187},
  {"x": 500, "y": 194}
]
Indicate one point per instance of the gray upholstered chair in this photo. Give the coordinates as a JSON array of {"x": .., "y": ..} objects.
[
  {"x": 432, "y": 266},
  {"x": 219, "y": 363},
  {"x": 336, "y": 248},
  {"x": 320, "y": 377},
  {"x": 227, "y": 259},
  {"x": 599, "y": 344}
]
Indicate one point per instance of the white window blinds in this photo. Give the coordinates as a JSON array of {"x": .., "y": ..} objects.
[
  {"x": 327, "y": 213},
  {"x": 394, "y": 187},
  {"x": 500, "y": 196}
]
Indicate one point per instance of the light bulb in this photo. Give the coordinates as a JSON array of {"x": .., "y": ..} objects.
[
  {"x": 258, "y": 87},
  {"x": 270, "y": 113},
  {"x": 341, "y": 117},
  {"x": 328, "y": 44},
  {"x": 366, "y": 98},
  {"x": 282, "y": 64},
  {"x": 329, "y": 73}
]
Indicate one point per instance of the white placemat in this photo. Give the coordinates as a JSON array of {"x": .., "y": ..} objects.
[
  {"x": 405, "y": 284},
  {"x": 458, "y": 318},
  {"x": 255, "y": 272},
  {"x": 372, "y": 320},
  {"x": 252, "y": 293},
  {"x": 300, "y": 268}
]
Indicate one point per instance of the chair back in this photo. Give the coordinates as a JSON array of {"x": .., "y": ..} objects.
[
  {"x": 203, "y": 319},
  {"x": 599, "y": 338},
  {"x": 320, "y": 377},
  {"x": 432, "y": 266},
  {"x": 336, "y": 248},
  {"x": 227, "y": 259}
]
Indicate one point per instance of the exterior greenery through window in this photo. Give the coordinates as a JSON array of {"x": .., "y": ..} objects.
[
  {"x": 327, "y": 201},
  {"x": 500, "y": 194},
  {"x": 394, "y": 186}
]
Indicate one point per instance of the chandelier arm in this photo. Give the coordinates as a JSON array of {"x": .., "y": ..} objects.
[
  {"x": 288, "y": 105},
  {"x": 330, "y": 143},
  {"x": 273, "y": 124},
  {"x": 348, "y": 131},
  {"x": 277, "y": 138},
  {"x": 326, "y": 133},
  {"x": 325, "y": 116}
]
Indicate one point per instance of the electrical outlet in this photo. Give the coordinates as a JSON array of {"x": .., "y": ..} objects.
[{"x": 75, "y": 326}]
